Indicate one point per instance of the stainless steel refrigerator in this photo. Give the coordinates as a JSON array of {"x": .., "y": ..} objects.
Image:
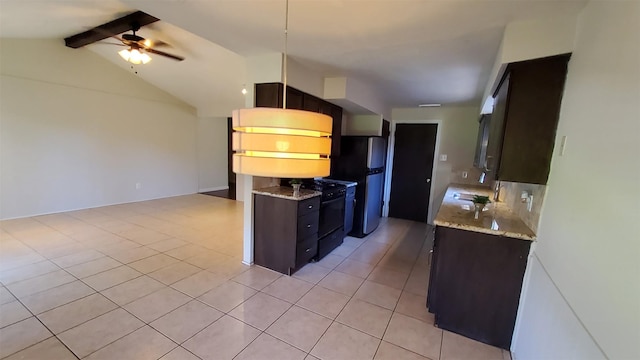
[{"x": 362, "y": 159}]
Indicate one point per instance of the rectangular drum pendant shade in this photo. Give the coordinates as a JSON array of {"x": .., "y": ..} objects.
[{"x": 282, "y": 143}]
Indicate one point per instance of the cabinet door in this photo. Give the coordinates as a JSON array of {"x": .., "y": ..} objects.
[
  {"x": 294, "y": 99},
  {"x": 432, "y": 290},
  {"x": 477, "y": 284},
  {"x": 482, "y": 141},
  {"x": 310, "y": 103},
  {"x": 275, "y": 224},
  {"x": 535, "y": 96},
  {"x": 268, "y": 95},
  {"x": 496, "y": 130}
]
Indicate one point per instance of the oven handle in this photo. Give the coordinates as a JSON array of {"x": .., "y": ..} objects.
[{"x": 338, "y": 199}]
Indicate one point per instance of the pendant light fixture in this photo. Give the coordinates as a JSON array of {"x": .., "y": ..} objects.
[{"x": 283, "y": 143}]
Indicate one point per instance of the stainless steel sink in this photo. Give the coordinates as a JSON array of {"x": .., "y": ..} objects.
[{"x": 464, "y": 196}]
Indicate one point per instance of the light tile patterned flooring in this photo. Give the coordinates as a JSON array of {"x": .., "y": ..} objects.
[{"x": 163, "y": 279}]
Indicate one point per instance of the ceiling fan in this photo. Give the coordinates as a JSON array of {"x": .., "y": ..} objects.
[{"x": 137, "y": 46}]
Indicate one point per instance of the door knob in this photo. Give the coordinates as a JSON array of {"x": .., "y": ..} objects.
[{"x": 428, "y": 180}]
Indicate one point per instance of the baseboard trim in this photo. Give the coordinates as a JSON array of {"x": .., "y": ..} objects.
[{"x": 217, "y": 188}]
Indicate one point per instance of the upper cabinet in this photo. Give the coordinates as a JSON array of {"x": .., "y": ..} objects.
[
  {"x": 522, "y": 129},
  {"x": 483, "y": 138},
  {"x": 270, "y": 95}
]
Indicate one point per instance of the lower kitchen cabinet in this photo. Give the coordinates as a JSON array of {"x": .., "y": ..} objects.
[
  {"x": 475, "y": 283},
  {"x": 285, "y": 232}
]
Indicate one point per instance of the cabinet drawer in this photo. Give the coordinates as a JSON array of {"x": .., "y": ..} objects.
[
  {"x": 308, "y": 206},
  {"x": 306, "y": 250},
  {"x": 308, "y": 225}
]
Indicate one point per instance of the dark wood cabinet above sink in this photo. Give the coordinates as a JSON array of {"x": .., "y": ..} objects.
[{"x": 523, "y": 124}]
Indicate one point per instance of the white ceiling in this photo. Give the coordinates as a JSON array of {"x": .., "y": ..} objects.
[{"x": 411, "y": 51}]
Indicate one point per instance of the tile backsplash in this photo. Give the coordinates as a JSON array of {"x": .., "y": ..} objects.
[{"x": 510, "y": 194}]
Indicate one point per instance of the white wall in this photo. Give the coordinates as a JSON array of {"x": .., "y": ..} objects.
[
  {"x": 78, "y": 132},
  {"x": 589, "y": 235},
  {"x": 363, "y": 125},
  {"x": 355, "y": 96},
  {"x": 212, "y": 154},
  {"x": 457, "y": 131},
  {"x": 530, "y": 39}
]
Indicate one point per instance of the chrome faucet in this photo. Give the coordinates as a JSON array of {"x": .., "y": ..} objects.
[{"x": 496, "y": 190}]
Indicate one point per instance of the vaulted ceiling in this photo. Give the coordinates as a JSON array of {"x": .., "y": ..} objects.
[{"x": 410, "y": 52}]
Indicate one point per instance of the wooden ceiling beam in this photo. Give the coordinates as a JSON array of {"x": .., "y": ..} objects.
[{"x": 114, "y": 27}]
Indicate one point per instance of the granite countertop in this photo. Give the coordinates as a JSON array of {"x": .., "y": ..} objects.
[
  {"x": 285, "y": 192},
  {"x": 497, "y": 219}
]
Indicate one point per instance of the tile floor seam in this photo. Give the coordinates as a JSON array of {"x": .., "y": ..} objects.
[
  {"x": 123, "y": 263},
  {"x": 145, "y": 324},
  {"x": 45, "y": 326},
  {"x": 100, "y": 291},
  {"x": 99, "y": 272},
  {"x": 67, "y": 303},
  {"x": 206, "y": 327},
  {"x": 29, "y": 278},
  {"x": 55, "y": 287},
  {"x": 320, "y": 338},
  {"x": 224, "y": 313},
  {"x": 290, "y": 306},
  {"x": 87, "y": 355}
]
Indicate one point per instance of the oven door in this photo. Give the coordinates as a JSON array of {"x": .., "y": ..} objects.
[{"x": 331, "y": 216}]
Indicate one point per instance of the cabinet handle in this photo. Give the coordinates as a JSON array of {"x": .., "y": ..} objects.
[{"x": 308, "y": 226}]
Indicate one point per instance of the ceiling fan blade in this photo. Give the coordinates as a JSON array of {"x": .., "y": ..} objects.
[
  {"x": 154, "y": 43},
  {"x": 162, "y": 53},
  {"x": 112, "y": 43}
]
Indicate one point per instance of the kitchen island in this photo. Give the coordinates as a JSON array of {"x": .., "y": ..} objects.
[
  {"x": 477, "y": 267},
  {"x": 286, "y": 228}
]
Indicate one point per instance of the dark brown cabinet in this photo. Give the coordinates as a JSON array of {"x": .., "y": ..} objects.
[
  {"x": 482, "y": 141},
  {"x": 270, "y": 95},
  {"x": 285, "y": 232},
  {"x": 525, "y": 117},
  {"x": 475, "y": 284}
]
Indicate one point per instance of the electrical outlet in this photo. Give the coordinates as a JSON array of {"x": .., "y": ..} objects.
[
  {"x": 138, "y": 186},
  {"x": 443, "y": 157}
]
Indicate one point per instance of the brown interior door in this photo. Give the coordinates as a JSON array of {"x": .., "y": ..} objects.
[{"x": 412, "y": 168}]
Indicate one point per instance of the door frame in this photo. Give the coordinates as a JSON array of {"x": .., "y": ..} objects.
[{"x": 389, "y": 171}]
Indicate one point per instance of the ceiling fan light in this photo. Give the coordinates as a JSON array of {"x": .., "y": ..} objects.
[
  {"x": 134, "y": 56},
  {"x": 145, "y": 58},
  {"x": 125, "y": 54}
]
